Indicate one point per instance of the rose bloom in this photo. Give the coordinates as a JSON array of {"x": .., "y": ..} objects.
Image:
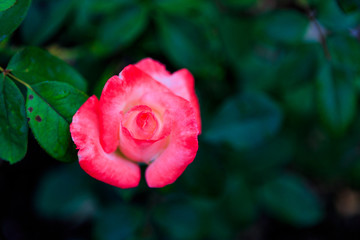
[{"x": 144, "y": 115}]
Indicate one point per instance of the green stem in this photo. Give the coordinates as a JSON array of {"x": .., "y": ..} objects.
[
  {"x": 15, "y": 78},
  {"x": 7, "y": 73}
]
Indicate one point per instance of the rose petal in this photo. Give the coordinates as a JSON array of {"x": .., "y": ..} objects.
[
  {"x": 185, "y": 88},
  {"x": 182, "y": 144},
  {"x": 181, "y": 82},
  {"x": 109, "y": 168}
]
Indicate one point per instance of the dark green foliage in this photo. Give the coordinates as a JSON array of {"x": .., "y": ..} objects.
[
  {"x": 289, "y": 199},
  {"x": 11, "y": 18},
  {"x": 6, "y": 4},
  {"x": 118, "y": 222},
  {"x": 44, "y": 19},
  {"x": 246, "y": 121},
  {"x": 337, "y": 98},
  {"x": 59, "y": 199},
  {"x": 178, "y": 220},
  {"x": 34, "y": 65},
  {"x": 50, "y": 107},
  {"x": 13, "y": 123},
  {"x": 131, "y": 20}
]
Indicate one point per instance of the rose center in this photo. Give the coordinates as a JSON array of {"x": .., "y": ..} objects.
[
  {"x": 143, "y": 133},
  {"x": 146, "y": 125},
  {"x": 141, "y": 122}
]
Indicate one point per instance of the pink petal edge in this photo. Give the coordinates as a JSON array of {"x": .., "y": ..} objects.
[
  {"x": 182, "y": 147},
  {"x": 109, "y": 168}
]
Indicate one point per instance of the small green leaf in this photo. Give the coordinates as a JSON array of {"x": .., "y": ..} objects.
[
  {"x": 118, "y": 222},
  {"x": 50, "y": 107},
  {"x": 44, "y": 19},
  {"x": 6, "y": 4},
  {"x": 34, "y": 65},
  {"x": 11, "y": 18},
  {"x": 289, "y": 199},
  {"x": 336, "y": 98},
  {"x": 245, "y": 121},
  {"x": 13, "y": 123}
]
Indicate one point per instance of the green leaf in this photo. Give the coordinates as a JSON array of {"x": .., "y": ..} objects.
[
  {"x": 122, "y": 29},
  {"x": 118, "y": 222},
  {"x": 13, "y": 123},
  {"x": 285, "y": 26},
  {"x": 336, "y": 98},
  {"x": 245, "y": 121},
  {"x": 184, "y": 42},
  {"x": 44, "y": 19},
  {"x": 64, "y": 193},
  {"x": 344, "y": 51},
  {"x": 334, "y": 19},
  {"x": 6, "y": 4},
  {"x": 50, "y": 107},
  {"x": 248, "y": 69},
  {"x": 34, "y": 65},
  {"x": 11, "y": 18},
  {"x": 289, "y": 199}
]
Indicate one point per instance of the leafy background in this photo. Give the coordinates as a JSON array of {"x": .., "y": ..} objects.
[{"x": 278, "y": 83}]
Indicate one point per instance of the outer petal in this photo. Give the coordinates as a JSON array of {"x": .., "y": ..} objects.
[
  {"x": 120, "y": 94},
  {"x": 109, "y": 168},
  {"x": 186, "y": 89},
  {"x": 154, "y": 68},
  {"x": 183, "y": 143},
  {"x": 180, "y": 82}
]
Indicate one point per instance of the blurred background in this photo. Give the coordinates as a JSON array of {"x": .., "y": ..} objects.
[{"x": 278, "y": 84}]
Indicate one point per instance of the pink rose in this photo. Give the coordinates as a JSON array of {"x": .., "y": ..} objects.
[{"x": 144, "y": 115}]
